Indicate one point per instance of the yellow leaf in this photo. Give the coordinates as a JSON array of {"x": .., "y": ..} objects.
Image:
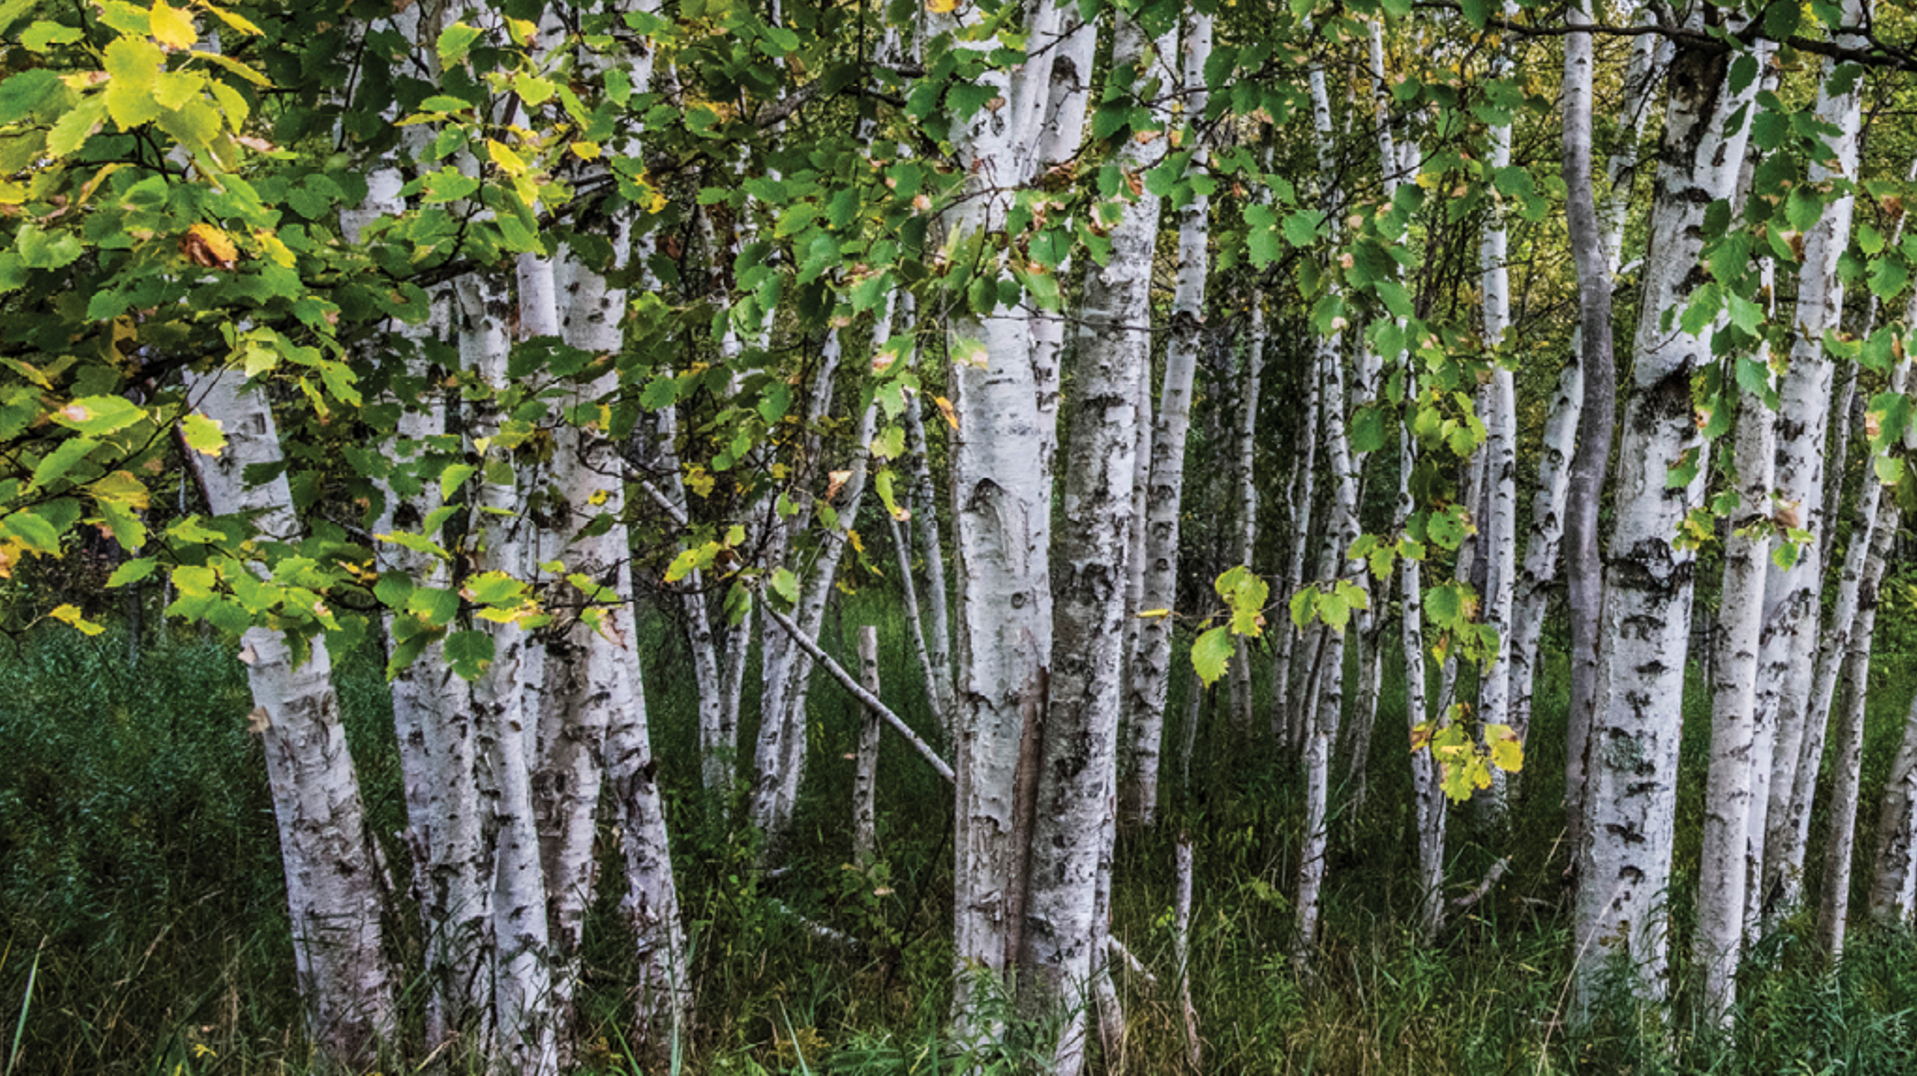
[
  {"x": 586, "y": 151},
  {"x": 237, "y": 22},
  {"x": 172, "y": 26},
  {"x": 203, "y": 435},
  {"x": 505, "y": 158},
  {"x": 1153, "y": 614},
  {"x": 945, "y": 408},
  {"x": 71, "y": 615},
  {"x": 940, "y": 7},
  {"x": 208, "y": 247}
]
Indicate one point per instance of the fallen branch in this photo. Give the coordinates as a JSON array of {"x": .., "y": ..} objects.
[
  {"x": 1132, "y": 964},
  {"x": 858, "y": 691},
  {"x": 1491, "y": 878}
]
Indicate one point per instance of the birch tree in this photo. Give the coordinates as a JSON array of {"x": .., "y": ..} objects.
[{"x": 1630, "y": 797}]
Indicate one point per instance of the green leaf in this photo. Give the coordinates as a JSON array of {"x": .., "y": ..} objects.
[
  {"x": 455, "y": 42},
  {"x": 435, "y": 605},
  {"x": 1211, "y": 654},
  {"x": 132, "y": 571},
  {"x": 134, "y": 65},
  {"x": 1301, "y": 228},
  {"x": 785, "y": 585},
  {"x": 469, "y": 653},
  {"x": 25, "y": 92},
  {"x": 1890, "y": 469},
  {"x": 202, "y": 434},
  {"x": 97, "y": 416}
]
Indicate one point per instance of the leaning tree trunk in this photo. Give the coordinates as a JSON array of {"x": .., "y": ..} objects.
[
  {"x": 331, "y": 863},
  {"x": 1624, "y": 855}
]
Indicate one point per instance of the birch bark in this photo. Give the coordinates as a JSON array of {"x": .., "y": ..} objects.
[
  {"x": 1078, "y": 745},
  {"x": 1624, "y": 853},
  {"x": 1150, "y": 666},
  {"x": 330, "y": 861},
  {"x": 1727, "y": 797},
  {"x": 1598, "y": 369},
  {"x": 1791, "y": 605}
]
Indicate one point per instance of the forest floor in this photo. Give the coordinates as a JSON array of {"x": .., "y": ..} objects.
[{"x": 143, "y": 931}]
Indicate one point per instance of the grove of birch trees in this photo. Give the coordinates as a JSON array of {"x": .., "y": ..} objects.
[{"x": 1359, "y": 366}]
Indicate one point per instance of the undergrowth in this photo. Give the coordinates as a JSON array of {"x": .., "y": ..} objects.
[{"x": 142, "y": 926}]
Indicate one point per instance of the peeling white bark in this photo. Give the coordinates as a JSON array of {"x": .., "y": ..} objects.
[
  {"x": 1624, "y": 856},
  {"x": 1791, "y": 606},
  {"x": 329, "y": 857}
]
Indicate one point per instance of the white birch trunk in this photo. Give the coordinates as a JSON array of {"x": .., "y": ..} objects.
[
  {"x": 1894, "y": 881},
  {"x": 1341, "y": 530},
  {"x": 1791, "y": 604},
  {"x": 1624, "y": 854},
  {"x": 1150, "y": 665},
  {"x": 1727, "y": 798},
  {"x": 523, "y": 1031},
  {"x": 330, "y": 861},
  {"x": 1001, "y": 506},
  {"x": 1079, "y": 738},
  {"x": 1834, "y": 906},
  {"x": 1532, "y": 597},
  {"x": 1287, "y": 730},
  {"x": 1499, "y": 537},
  {"x": 865, "y": 775}
]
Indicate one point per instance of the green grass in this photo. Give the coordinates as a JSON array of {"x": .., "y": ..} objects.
[{"x": 140, "y": 894}]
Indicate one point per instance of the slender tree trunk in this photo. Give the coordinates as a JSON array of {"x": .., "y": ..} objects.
[
  {"x": 865, "y": 777},
  {"x": 1624, "y": 855},
  {"x": 1595, "y": 416},
  {"x": 1539, "y": 570},
  {"x": 330, "y": 860},
  {"x": 1499, "y": 537},
  {"x": 1241, "y": 693},
  {"x": 1727, "y": 799},
  {"x": 1834, "y": 907},
  {"x": 1340, "y": 531},
  {"x": 1895, "y": 880},
  {"x": 1791, "y": 606},
  {"x": 1150, "y": 664},
  {"x": 1283, "y": 723}
]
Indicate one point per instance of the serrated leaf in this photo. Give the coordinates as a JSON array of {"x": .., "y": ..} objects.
[
  {"x": 133, "y": 66},
  {"x": 785, "y": 585},
  {"x": 469, "y": 653},
  {"x": 172, "y": 26},
  {"x": 1211, "y": 654},
  {"x": 455, "y": 42}
]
